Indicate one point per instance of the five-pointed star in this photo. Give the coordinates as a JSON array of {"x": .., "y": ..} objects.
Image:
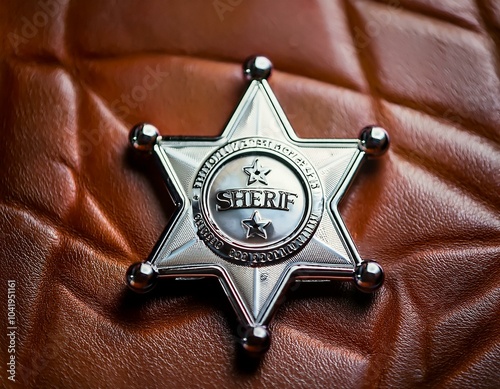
[
  {"x": 256, "y": 172},
  {"x": 254, "y": 290},
  {"x": 256, "y": 226}
]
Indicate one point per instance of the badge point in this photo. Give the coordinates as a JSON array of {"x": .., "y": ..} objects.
[
  {"x": 143, "y": 137},
  {"x": 141, "y": 277},
  {"x": 256, "y": 340},
  {"x": 257, "y": 68},
  {"x": 368, "y": 276},
  {"x": 374, "y": 141}
]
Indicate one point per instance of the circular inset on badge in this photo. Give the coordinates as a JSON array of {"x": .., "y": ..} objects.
[
  {"x": 256, "y": 201},
  {"x": 256, "y": 183}
]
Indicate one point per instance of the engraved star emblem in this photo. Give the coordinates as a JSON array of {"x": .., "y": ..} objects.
[
  {"x": 200, "y": 240},
  {"x": 256, "y": 226},
  {"x": 256, "y": 172}
]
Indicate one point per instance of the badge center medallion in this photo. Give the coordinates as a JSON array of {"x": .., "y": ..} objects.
[{"x": 256, "y": 201}]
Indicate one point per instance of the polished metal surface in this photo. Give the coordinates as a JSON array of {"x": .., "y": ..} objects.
[
  {"x": 257, "y": 68},
  {"x": 141, "y": 277},
  {"x": 257, "y": 207},
  {"x": 374, "y": 140},
  {"x": 369, "y": 276},
  {"x": 143, "y": 137},
  {"x": 256, "y": 340}
]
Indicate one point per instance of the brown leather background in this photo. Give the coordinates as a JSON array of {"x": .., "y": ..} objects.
[{"x": 76, "y": 210}]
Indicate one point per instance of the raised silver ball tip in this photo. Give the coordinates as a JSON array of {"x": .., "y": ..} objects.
[
  {"x": 374, "y": 140},
  {"x": 143, "y": 137},
  {"x": 141, "y": 277},
  {"x": 368, "y": 276},
  {"x": 256, "y": 340},
  {"x": 257, "y": 68}
]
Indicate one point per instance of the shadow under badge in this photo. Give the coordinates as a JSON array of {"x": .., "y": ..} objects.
[{"x": 257, "y": 208}]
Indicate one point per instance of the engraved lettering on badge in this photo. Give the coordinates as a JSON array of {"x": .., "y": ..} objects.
[
  {"x": 255, "y": 198},
  {"x": 256, "y": 201},
  {"x": 259, "y": 198}
]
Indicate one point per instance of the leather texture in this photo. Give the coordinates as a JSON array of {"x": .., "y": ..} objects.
[{"x": 76, "y": 210}]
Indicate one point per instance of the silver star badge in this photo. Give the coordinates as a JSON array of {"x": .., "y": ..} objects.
[{"x": 295, "y": 231}]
